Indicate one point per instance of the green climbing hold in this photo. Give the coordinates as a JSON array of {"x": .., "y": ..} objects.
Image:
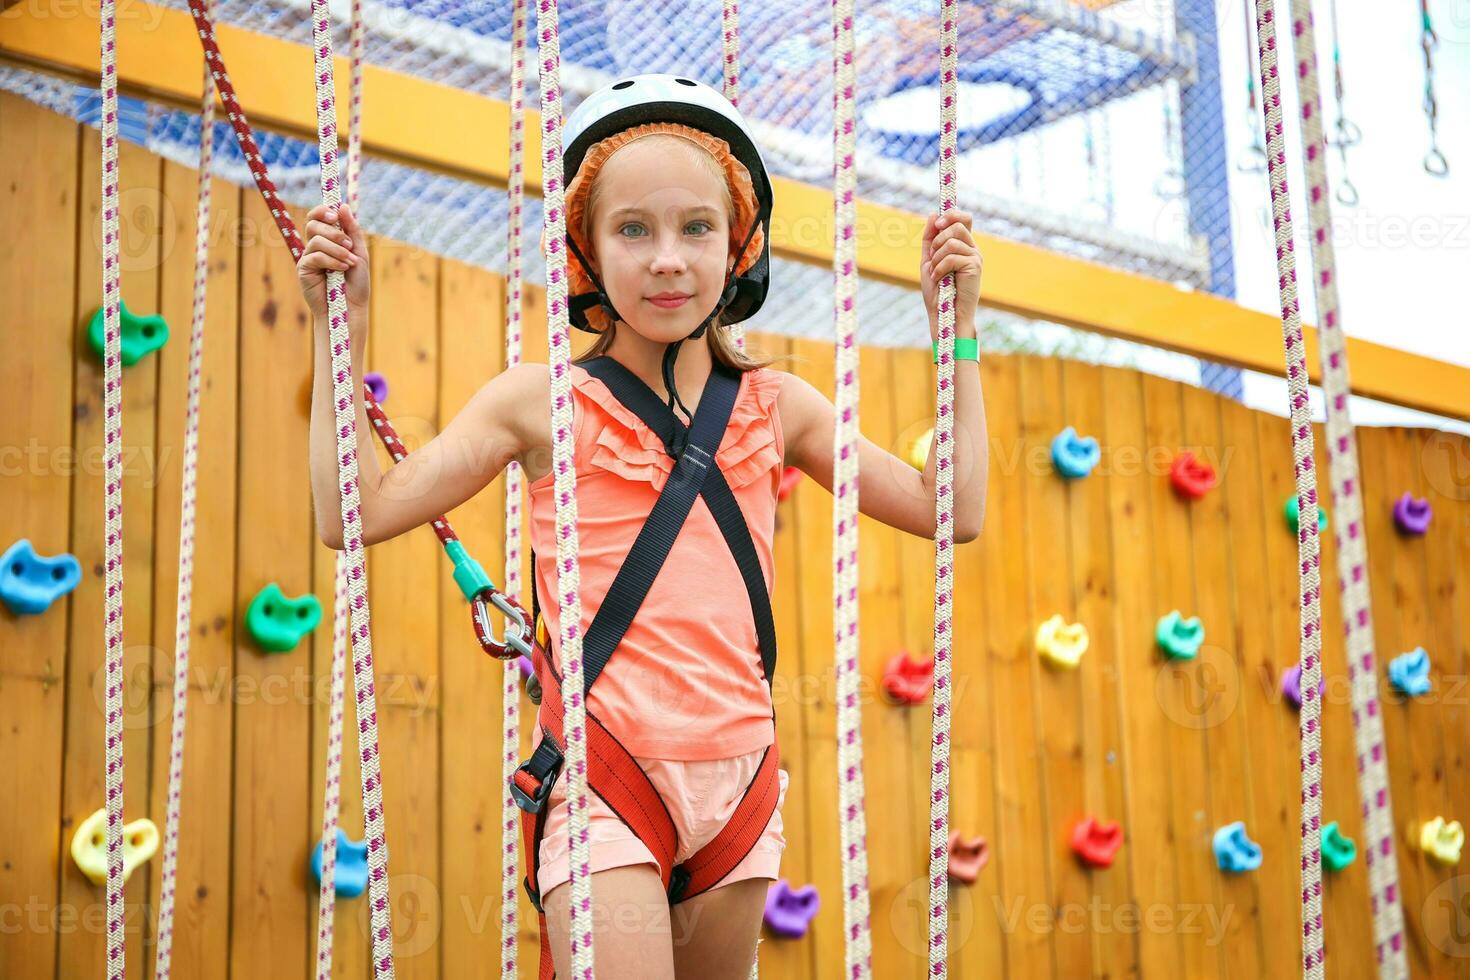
[
  {"x": 278, "y": 623},
  {"x": 141, "y": 335},
  {"x": 1293, "y": 515},
  {"x": 1180, "y": 638},
  {"x": 1338, "y": 851}
]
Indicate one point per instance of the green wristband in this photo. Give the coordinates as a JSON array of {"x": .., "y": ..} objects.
[{"x": 965, "y": 349}]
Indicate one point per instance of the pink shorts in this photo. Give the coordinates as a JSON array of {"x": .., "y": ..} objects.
[{"x": 701, "y": 797}]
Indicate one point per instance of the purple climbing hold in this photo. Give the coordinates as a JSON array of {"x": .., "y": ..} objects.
[
  {"x": 1291, "y": 685},
  {"x": 378, "y": 385},
  {"x": 1412, "y": 515},
  {"x": 788, "y": 912}
]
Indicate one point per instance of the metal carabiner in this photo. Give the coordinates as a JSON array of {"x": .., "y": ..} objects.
[{"x": 517, "y": 642}]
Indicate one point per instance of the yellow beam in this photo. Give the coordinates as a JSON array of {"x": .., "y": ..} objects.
[{"x": 448, "y": 130}]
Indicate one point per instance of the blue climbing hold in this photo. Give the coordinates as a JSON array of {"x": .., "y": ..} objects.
[
  {"x": 378, "y": 385},
  {"x": 351, "y": 876},
  {"x": 1074, "y": 456},
  {"x": 29, "y": 582},
  {"x": 1180, "y": 638},
  {"x": 1409, "y": 672},
  {"x": 1234, "y": 851}
]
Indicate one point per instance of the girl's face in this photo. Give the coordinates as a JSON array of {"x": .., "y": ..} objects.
[{"x": 659, "y": 227}]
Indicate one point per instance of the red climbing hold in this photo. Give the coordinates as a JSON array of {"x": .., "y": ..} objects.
[
  {"x": 1095, "y": 842},
  {"x": 967, "y": 857},
  {"x": 1192, "y": 478},
  {"x": 908, "y": 680}
]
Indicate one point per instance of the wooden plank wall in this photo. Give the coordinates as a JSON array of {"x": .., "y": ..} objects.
[{"x": 1172, "y": 751}]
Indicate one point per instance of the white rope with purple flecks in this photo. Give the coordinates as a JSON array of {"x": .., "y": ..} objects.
[
  {"x": 850, "y": 792},
  {"x": 344, "y": 401},
  {"x": 1314, "y": 953},
  {"x": 326, "y": 909},
  {"x": 568, "y": 575},
  {"x": 1347, "y": 508},
  {"x": 939, "y": 772},
  {"x": 163, "y": 949},
  {"x": 112, "y": 495},
  {"x": 510, "y": 692},
  {"x": 730, "y": 37}
]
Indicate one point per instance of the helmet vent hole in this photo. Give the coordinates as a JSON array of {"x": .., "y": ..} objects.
[
  {"x": 622, "y": 85},
  {"x": 685, "y": 81}
]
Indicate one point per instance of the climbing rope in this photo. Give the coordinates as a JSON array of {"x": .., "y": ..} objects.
[
  {"x": 112, "y": 495},
  {"x": 943, "y": 521},
  {"x": 569, "y": 579},
  {"x": 163, "y": 950},
  {"x": 1346, "y": 133},
  {"x": 1255, "y": 152},
  {"x": 850, "y": 793},
  {"x": 510, "y": 694},
  {"x": 1435, "y": 163},
  {"x": 361, "y": 632},
  {"x": 730, "y": 35},
  {"x": 1314, "y": 954},
  {"x": 1347, "y": 507},
  {"x": 332, "y": 782},
  {"x": 204, "y": 21}
]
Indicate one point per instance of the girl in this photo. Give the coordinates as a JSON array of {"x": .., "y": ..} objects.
[{"x": 668, "y": 212}]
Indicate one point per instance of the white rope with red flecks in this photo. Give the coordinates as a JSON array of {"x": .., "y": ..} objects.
[
  {"x": 344, "y": 400},
  {"x": 939, "y": 750},
  {"x": 1314, "y": 953},
  {"x": 850, "y": 793},
  {"x": 163, "y": 949},
  {"x": 112, "y": 513},
  {"x": 510, "y": 691},
  {"x": 1347, "y": 508},
  {"x": 730, "y": 37},
  {"x": 568, "y": 575},
  {"x": 326, "y": 911}
]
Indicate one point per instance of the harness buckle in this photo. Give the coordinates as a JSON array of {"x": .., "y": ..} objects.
[{"x": 544, "y": 765}]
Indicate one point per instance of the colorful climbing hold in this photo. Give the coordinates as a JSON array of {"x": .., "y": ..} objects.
[
  {"x": 1096, "y": 842},
  {"x": 278, "y": 623},
  {"x": 377, "y": 384},
  {"x": 89, "y": 846},
  {"x": 789, "y": 912},
  {"x": 1074, "y": 456},
  {"x": 1291, "y": 685},
  {"x": 1178, "y": 637},
  {"x": 1060, "y": 643},
  {"x": 918, "y": 453},
  {"x": 1234, "y": 851},
  {"x": 790, "y": 477},
  {"x": 1293, "y": 515},
  {"x": 1442, "y": 840},
  {"x": 29, "y": 582},
  {"x": 1191, "y": 477},
  {"x": 1409, "y": 672},
  {"x": 1338, "y": 850},
  {"x": 907, "y": 680},
  {"x": 1412, "y": 514},
  {"x": 351, "y": 876},
  {"x": 967, "y": 857},
  {"x": 141, "y": 335}
]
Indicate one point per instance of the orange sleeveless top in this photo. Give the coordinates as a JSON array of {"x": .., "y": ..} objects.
[{"x": 686, "y": 681}]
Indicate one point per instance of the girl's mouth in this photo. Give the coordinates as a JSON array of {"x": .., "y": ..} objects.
[{"x": 669, "y": 303}]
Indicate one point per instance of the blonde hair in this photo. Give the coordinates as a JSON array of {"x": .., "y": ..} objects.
[{"x": 717, "y": 337}]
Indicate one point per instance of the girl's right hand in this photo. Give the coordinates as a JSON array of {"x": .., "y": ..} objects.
[{"x": 338, "y": 249}]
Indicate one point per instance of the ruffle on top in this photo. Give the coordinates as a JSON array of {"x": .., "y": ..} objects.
[{"x": 630, "y": 449}]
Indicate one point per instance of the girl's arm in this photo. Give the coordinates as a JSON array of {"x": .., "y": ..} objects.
[
  {"x": 485, "y": 435},
  {"x": 889, "y": 489}
]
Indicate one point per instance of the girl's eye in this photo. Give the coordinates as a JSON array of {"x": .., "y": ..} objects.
[
  {"x": 631, "y": 224},
  {"x": 705, "y": 225}
]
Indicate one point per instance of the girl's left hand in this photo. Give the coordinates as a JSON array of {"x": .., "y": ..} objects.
[{"x": 949, "y": 248}]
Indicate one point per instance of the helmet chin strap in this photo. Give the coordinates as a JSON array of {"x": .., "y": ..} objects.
[{"x": 671, "y": 353}]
